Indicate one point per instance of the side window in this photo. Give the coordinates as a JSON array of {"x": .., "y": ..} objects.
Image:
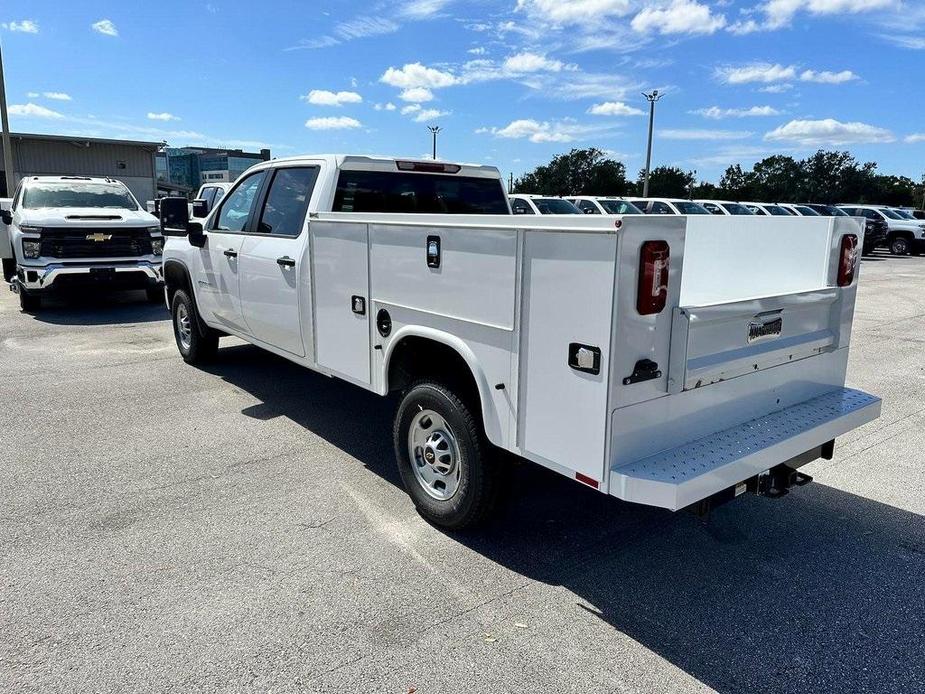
[
  {"x": 870, "y": 214},
  {"x": 237, "y": 208},
  {"x": 284, "y": 210},
  {"x": 588, "y": 207},
  {"x": 219, "y": 194},
  {"x": 660, "y": 208},
  {"x": 712, "y": 208},
  {"x": 519, "y": 206}
]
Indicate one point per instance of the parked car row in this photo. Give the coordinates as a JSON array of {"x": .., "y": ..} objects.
[{"x": 901, "y": 231}]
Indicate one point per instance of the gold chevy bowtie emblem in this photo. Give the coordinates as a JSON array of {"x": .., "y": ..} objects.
[{"x": 99, "y": 236}]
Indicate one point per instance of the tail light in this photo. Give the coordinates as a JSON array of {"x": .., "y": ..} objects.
[
  {"x": 653, "y": 277},
  {"x": 847, "y": 260}
]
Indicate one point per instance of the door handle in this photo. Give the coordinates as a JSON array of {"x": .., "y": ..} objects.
[
  {"x": 285, "y": 261},
  {"x": 231, "y": 254}
]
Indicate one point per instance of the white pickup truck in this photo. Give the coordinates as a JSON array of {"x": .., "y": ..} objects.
[
  {"x": 64, "y": 231},
  {"x": 674, "y": 361}
]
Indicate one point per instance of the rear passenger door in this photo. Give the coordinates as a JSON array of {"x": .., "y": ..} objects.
[{"x": 275, "y": 273}]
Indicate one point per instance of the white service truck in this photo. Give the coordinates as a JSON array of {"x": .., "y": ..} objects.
[
  {"x": 674, "y": 361},
  {"x": 65, "y": 231}
]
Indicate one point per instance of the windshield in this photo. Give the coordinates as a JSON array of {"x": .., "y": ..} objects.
[
  {"x": 904, "y": 214},
  {"x": 806, "y": 211},
  {"x": 687, "y": 207},
  {"x": 736, "y": 209},
  {"x": 777, "y": 211},
  {"x": 619, "y": 207},
  {"x": 78, "y": 194},
  {"x": 888, "y": 213},
  {"x": 555, "y": 206}
]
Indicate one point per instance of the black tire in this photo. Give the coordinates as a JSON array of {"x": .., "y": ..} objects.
[
  {"x": 156, "y": 294},
  {"x": 478, "y": 476},
  {"x": 9, "y": 269},
  {"x": 900, "y": 245},
  {"x": 28, "y": 302},
  {"x": 196, "y": 346}
]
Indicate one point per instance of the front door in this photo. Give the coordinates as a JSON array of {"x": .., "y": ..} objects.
[
  {"x": 218, "y": 285},
  {"x": 274, "y": 261}
]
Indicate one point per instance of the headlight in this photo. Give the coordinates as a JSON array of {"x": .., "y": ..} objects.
[
  {"x": 31, "y": 248},
  {"x": 157, "y": 246}
]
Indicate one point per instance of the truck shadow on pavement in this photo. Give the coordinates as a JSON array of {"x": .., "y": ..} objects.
[
  {"x": 93, "y": 308},
  {"x": 821, "y": 590}
]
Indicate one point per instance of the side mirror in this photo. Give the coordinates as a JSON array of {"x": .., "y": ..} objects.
[
  {"x": 6, "y": 216},
  {"x": 195, "y": 234},
  {"x": 200, "y": 208},
  {"x": 174, "y": 215}
]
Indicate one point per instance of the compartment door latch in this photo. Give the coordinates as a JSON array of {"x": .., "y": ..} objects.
[
  {"x": 645, "y": 370},
  {"x": 584, "y": 358}
]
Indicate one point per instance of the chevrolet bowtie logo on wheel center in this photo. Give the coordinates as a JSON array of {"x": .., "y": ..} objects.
[{"x": 99, "y": 237}]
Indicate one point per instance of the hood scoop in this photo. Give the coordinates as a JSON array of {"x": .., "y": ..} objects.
[{"x": 113, "y": 217}]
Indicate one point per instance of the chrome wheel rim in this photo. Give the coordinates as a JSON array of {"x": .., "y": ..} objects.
[
  {"x": 184, "y": 327},
  {"x": 434, "y": 455}
]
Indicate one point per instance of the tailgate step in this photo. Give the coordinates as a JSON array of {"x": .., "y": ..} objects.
[{"x": 681, "y": 476}]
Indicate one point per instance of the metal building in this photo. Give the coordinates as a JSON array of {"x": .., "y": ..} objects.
[{"x": 129, "y": 161}]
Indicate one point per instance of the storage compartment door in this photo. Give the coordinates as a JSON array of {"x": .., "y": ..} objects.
[
  {"x": 568, "y": 285},
  {"x": 340, "y": 261}
]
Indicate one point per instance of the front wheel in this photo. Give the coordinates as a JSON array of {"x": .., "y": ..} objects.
[
  {"x": 195, "y": 346},
  {"x": 443, "y": 457},
  {"x": 900, "y": 246}
]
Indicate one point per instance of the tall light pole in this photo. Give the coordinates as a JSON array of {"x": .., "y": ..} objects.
[
  {"x": 434, "y": 129},
  {"x": 651, "y": 98},
  {"x": 5, "y": 123}
]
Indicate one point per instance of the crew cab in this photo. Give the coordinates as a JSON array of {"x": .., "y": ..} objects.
[
  {"x": 77, "y": 230},
  {"x": 668, "y": 206},
  {"x": 541, "y": 204},
  {"x": 597, "y": 204},
  {"x": 903, "y": 235},
  {"x": 725, "y": 207},
  {"x": 642, "y": 356}
]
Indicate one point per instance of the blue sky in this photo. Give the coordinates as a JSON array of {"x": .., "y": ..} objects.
[{"x": 511, "y": 82}]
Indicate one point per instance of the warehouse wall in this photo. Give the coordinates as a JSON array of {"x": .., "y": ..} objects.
[{"x": 131, "y": 163}]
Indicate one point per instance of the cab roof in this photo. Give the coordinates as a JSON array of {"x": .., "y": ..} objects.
[{"x": 372, "y": 162}]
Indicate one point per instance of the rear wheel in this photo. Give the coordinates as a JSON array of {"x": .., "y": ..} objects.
[
  {"x": 443, "y": 457},
  {"x": 29, "y": 302},
  {"x": 195, "y": 345},
  {"x": 900, "y": 245}
]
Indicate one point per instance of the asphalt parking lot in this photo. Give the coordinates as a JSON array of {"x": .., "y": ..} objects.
[{"x": 242, "y": 528}]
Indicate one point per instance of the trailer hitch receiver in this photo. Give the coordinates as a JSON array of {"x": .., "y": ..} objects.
[{"x": 777, "y": 481}]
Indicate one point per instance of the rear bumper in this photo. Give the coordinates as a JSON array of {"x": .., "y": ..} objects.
[
  {"x": 679, "y": 477},
  {"x": 58, "y": 276}
]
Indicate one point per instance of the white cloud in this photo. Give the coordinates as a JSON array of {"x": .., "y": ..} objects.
[
  {"x": 478, "y": 50},
  {"x": 33, "y": 95},
  {"x": 322, "y": 97},
  {"x": 915, "y": 138},
  {"x": 755, "y": 72},
  {"x": 826, "y": 77},
  {"x": 25, "y": 26},
  {"x": 332, "y": 123},
  {"x": 779, "y": 13},
  {"x": 385, "y": 107},
  {"x": 576, "y": 11},
  {"x": 357, "y": 28},
  {"x": 698, "y": 134},
  {"x": 915, "y": 43},
  {"x": 544, "y": 131},
  {"x": 33, "y": 111},
  {"x": 614, "y": 108},
  {"x": 429, "y": 114},
  {"x": 164, "y": 116},
  {"x": 678, "y": 17},
  {"x": 717, "y": 113},
  {"x": 105, "y": 27},
  {"x": 776, "y": 88},
  {"x": 416, "y": 95},
  {"x": 56, "y": 96},
  {"x": 417, "y": 75},
  {"x": 422, "y": 9},
  {"x": 530, "y": 62},
  {"x": 828, "y": 131}
]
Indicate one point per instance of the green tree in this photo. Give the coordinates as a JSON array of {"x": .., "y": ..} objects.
[
  {"x": 736, "y": 184},
  {"x": 668, "y": 182},
  {"x": 580, "y": 172},
  {"x": 779, "y": 178}
]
